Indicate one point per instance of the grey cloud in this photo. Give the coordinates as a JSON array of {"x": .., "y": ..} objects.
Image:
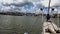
[
  {"x": 18, "y": 4},
  {"x": 40, "y": 6},
  {"x": 5, "y": 8},
  {"x": 56, "y": 6}
]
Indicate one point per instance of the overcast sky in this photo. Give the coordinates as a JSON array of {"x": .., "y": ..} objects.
[{"x": 24, "y": 5}]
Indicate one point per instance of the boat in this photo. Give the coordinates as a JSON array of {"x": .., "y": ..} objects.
[{"x": 48, "y": 21}]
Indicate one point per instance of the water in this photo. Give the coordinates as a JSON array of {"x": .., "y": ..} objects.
[{"x": 21, "y": 24}]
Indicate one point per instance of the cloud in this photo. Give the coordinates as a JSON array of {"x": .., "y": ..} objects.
[
  {"x": 13, "y": 6},
  {"x": 17, "y": 5},
  {"x": 46, "y": 2},
  {"x": 5, "y": 8},
  {"x": 10, "y": 1},
  {"x": 9, "y": 9},
  {"x": 6, "y": 1}
]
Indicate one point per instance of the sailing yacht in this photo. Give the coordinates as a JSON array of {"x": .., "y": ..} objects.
[{"x": 49, "y": 26}]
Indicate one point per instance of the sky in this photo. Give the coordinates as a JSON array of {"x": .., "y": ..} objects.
[{"x": 27, "y": 5}]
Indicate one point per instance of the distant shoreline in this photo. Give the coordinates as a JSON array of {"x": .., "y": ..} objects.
[{"x": 26, "y": 14}]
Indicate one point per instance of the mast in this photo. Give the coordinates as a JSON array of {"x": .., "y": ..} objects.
[{"x": 48, "y": 16}]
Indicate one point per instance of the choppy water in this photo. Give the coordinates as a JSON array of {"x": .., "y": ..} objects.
[{"x": 20, "y": 24}]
